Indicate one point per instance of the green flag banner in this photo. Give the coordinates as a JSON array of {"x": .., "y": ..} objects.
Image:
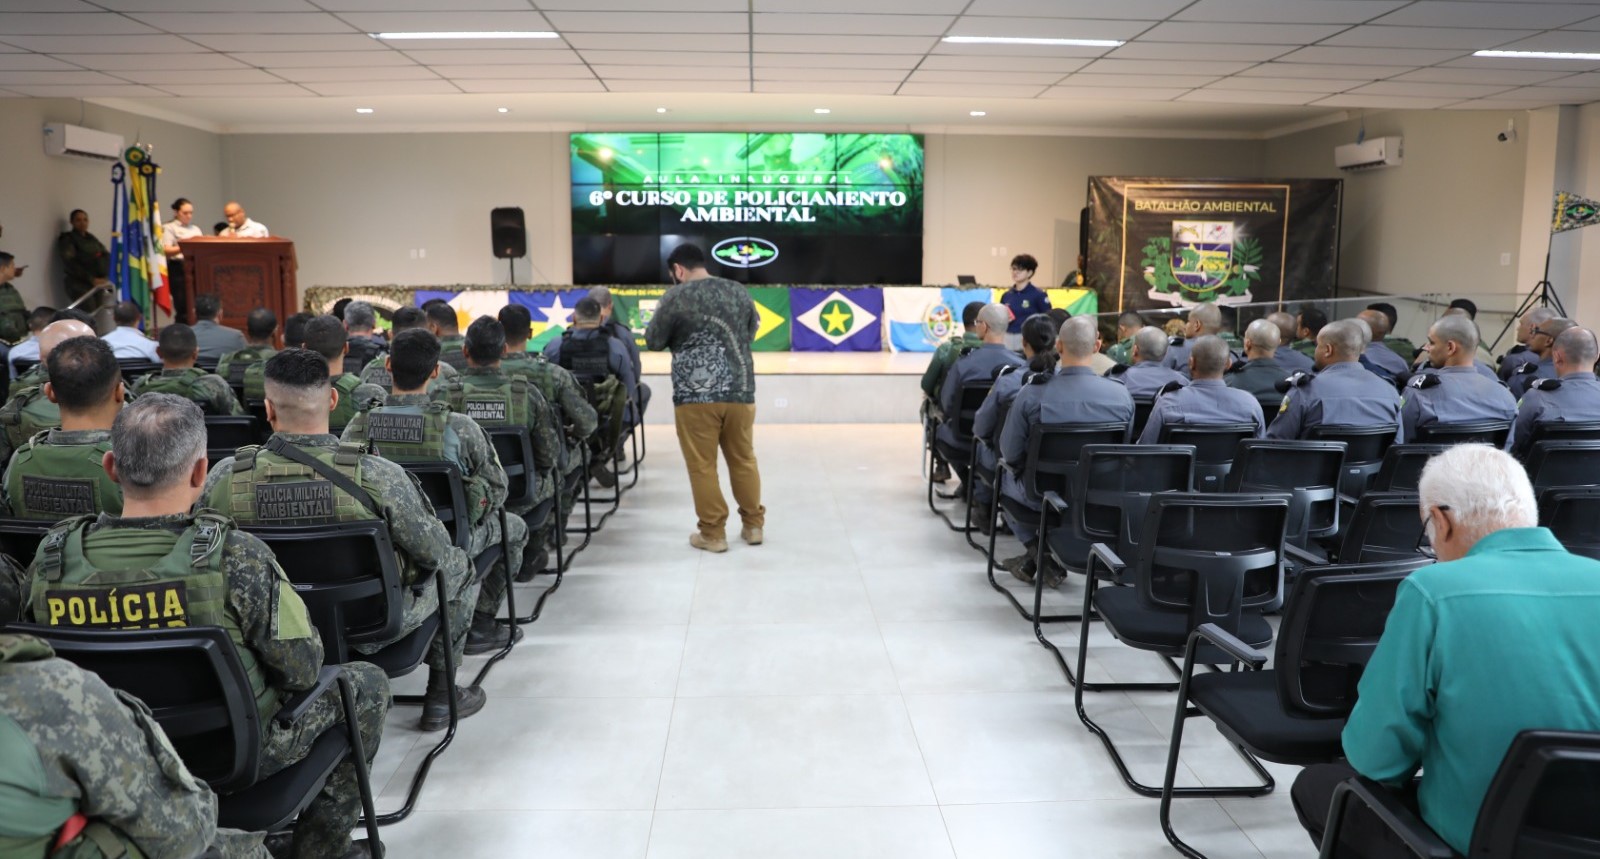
[
  {"x": 772, "y": 304},
  {"x": 634, "y": 305},
  {"x": 1574, "y": 212}
]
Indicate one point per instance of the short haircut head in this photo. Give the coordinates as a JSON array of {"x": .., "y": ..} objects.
[
  {"x": 260, "y": 324},
  {"x": 969, "y": 314},
  {"x": 1364, "y": 328},
  {"x": 177, "y": 343},
  {"x": 294, "y": 329},
  {"x": 1263, "y": 334},
  {"x": 586, "y": 310},
  {"x": 127, "y": 314},
  {"x": 155, "y": 442},
  {"x": 1209, "y": 316},
  {"x": 601, "y": 294},
  {"x": 1390, "y": 315},
  {"x": 207, "y": 306},
  {"x": 1377, "y": 323},
  {"x": 296, "y": 382},
  {"x": 179, "y": 203},
  {"x": 412, "y": 357},
  {"x": 6, "y": 259},
  {"x": 1026, "y": 262},
  {"x": 339, "y": 306},
  {"x": 59, "y": 332},
  {"x": 1210, "y": 355},
  {"x": 39, "y": 317},
  {"x": 359, "y": 314},
  {"x": 1130, "y": 319},
  {"x": 1284, "y": 322},
  {"x": 1346, "y": 337},
  {"x": 444, "y": 316},
  {"x": 1077, "y": 337},
  {"x": 1459, "y": 330},
  {"x": 83, "y": 371},
  {"x": 517, "y": 322},
  {"x": 1312, "y": 320},
  {"x": 1151, "y": 342},
  {"x": 486, "y": 340},
  {"x": 996, "y": 316},
  {"x": 1467, "y": 304},
  {"x": 72, "y": 314},
  {"x": 1540, "y": 315},
  {"x": 687, "y": 255},
  {"x": 1577, "y": 347},
  {"x": 325, "y": 336},
  {"x": 1485, "y": 489},
  {"x": 407, "y": 317}
]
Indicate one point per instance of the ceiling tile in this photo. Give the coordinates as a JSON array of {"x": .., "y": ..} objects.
[
  {"x": 1142, "y": 10},
  {"x": 448, "y": 22},
  {"x": 1114, "y": 93},
  {"x": 304, "y": 42},
  {"x": 833, "y": 88},
  {"x": 670, "y": 73},
  {"x": 972, "y": 90},
  {"x": 86, "y": 91},
  {"x": 125, "y": 62},
  {"x": 1497, "y": 104},
  {"x": 1370, "y": 56},
  {"x": 1270, "y": 34},
  {"x": 205, "y": 90},
  {"x": 526, "y": 86},
  {"x": 831, "y": 75},
  {"x": 1582, "y": 80},
  {"x": 899, "y": 25},
  {"x": 1571, "y": 40},
  {"x": 941, "y": 76},
  {"x": 1523, "y": 63},
  {"x": 1443, "y": 13},
  {"x": 1557, "y": 95},
  {"x": 321, "y": 59},
  {"x": 1591, "y": 24},
  {"x": 1430, "y": 90},
  {"x": 206, "y": 5},
  {"x": 678, "y": 86},
  {"x": 674, "y": 6},
  {"x": 538, "y": 72},
  {"x": 1162, "y": 67},
  {"x": 33, "y": 62},
  {"x": 654, "y": 42},
  {"x": 1001, "y": 64},
  {"x": 245, "y": 22},
  {"x": 376, "y": 88},
  {"x": 1462, "y": 38},
  {"x": 494, "y": 57},
  {"x": 1147, "y": 81},
  {"x": 1057, "y": 51},
  {"x": 1322, "y": 70},
  {"x": 1480, "y": 76},
  {"x": 1199, "y": 51},
  {"x": 357, "y": 73},
  {"x": 908, "y": 7},
  {"x": 1048, "y": 28},
  {"x": 667, "y": 58},
  {"x": 76, "y": 23},
  {"x": 1289, "y": 11},
  {"x": 51, "y": 6},
  {"x": 55, "y": 77},
  {"x": 843, "y": 44},
  {"x": 193, "y": 76},
  {"x": 95, "y": 44},
  {"x": 649, "y": 22},
  {"x": 1323, "y": 85},
  {"x": 904, "y": 62},
  {"x": 1396, "y": 102},
  {"x": 1233, "y": 96}
]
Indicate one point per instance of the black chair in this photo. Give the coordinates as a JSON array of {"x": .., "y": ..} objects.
[
  {"x": 1271, "y": 407},
  {"x": 970, "y": 400},
  {"x": 20, "y": 538},
  {"x": 1308, "y": 471},
  {"x": 1294, "y": 712},
  {"x": 197, "y": 690},
  {"x": 1401, "y": 469},
  {"x": 1201, "y": 558},
  {"x": 1565, "y": 431},
  {"x": 348, "y": 576},
  {"x": 1572, "y": 513},
  {"x": 1052, "y": 457},
  {"x": 1564, "y": 463},
  {"x": 1386, "y": 526},
  {"x": 1142, "y": 407},
  {"x": 1493, "y": 433},
  {"x": 514, "y": 447},
  {"x": 1214, "y": 449},
  {"x": 208, "y": 364},
  {"x": 987, "y": 476},
  {"x": 1364, "y": 447},
  {"x": 227, "y": 433},
  {"x": 1540, "y": 805},
  {"x": 134, "y": 369}
]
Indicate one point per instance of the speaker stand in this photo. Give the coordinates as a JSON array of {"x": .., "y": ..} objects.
[{"x": 511, "y": 272}]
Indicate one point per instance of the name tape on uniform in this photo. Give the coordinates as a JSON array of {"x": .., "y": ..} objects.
[
  {"x": 486, "y": 410},
  {"x": 152, "y": 606},
  {"x": 396, "y": 429},
  {"x": 307, "y": 499},
  {"x": 63, "y": 496}
]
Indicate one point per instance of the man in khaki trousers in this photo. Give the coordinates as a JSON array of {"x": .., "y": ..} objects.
[{"x": 708, "y": 323}]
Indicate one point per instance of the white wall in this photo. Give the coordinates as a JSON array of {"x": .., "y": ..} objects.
[{"x": 37, "y": 191}]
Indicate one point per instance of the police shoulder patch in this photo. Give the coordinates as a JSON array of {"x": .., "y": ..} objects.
[
  {"x": 1004, "y": 370},
  {"x": 1545, "y": 384},
  {"x": 1423, "y": 381},
  {"x": 1175, "y": 340},
  {"x": 1169, "y": 387},
  {"x": 1117, "y": 370},
  {"x": 1039, "y": 378},
  {"x": 1527, "y": 368}
]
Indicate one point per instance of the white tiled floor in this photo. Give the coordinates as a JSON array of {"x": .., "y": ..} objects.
[{"x": 853, "y": 688}]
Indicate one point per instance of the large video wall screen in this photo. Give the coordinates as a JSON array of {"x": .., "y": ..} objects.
[{"x": 767, "y": 208}]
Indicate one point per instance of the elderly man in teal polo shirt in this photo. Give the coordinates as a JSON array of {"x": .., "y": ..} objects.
[{"x": 1497, "y": 638}]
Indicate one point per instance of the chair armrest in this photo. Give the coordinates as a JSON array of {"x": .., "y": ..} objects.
[
  {"x": 1303, "y": 557},
  {"x": 1390, "y": 811},
  {"x": 1105, "y": 555},
  {"x": 1348, "y": 500},
  {"x": 1229, "y": 644},
  {"x": 1054, "y": 501},
  {"x": 295, "y": 707}
]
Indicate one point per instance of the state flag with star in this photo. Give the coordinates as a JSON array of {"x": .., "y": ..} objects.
[
  {"x": 551, "y": 311},
  {"x": 837, "y": 320}
]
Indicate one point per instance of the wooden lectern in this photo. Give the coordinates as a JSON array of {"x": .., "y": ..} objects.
[{"x": 243, "y": 273}]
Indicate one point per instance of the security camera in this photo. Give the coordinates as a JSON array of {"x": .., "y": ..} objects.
[{"x": 1510, "y": 134}]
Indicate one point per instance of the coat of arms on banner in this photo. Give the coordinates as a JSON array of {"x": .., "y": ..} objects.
[{"x": 1202, "y": 261}]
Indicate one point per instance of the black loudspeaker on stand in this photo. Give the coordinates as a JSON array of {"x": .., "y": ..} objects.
[{"x": 509, "y": 233}]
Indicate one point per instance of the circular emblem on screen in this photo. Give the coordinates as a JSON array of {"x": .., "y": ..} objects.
[{"x": 744, "y": 252}]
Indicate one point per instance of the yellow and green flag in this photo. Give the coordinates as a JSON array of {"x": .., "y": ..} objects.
[{"x": 772, "y": 305}]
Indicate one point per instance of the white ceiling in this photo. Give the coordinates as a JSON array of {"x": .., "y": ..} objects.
[{"x": 1226, "y": 66}]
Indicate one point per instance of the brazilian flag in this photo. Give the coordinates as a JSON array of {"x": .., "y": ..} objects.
[{"x": 772, "y": 305}]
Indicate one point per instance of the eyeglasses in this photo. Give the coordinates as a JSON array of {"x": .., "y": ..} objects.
[
  {"x": 1537, "y": 331},
  {"x": 1425, "y": 539}
]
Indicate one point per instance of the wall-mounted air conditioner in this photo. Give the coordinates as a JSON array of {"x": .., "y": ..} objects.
[
  {"x": 1369, "y": 154},
  {"x": 79, "y": 142}
]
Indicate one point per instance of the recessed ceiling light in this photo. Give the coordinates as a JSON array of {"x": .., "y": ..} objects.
[
  {"x": 661, "y": 110},
  {"x": 489, "y": 34},
  {"x": 978, "y": 113},
  {"x": 1539, "y": 55},
  {"x": 1019, "y": 40},
  {"x": 504, "y": 109},
  {"x": 821, "y": 110},
  {"x": 363, "y": 110}
]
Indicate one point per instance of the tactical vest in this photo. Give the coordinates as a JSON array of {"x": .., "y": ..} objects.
[
  {"x": 376, "y": 373},
  {"x": 589, "y": 358},
  {"x": 27, "y": 413},
  {"x": 234, "y": 365},
  {"x": 346, "y": 410},
  {"x": 419, "y": 434},
  {"x": 55, "y": 481},
  {"x": 181, "y": 384},
  {"x": 492, "y": 401},
  {"x": 255, "y": 382},
  {"x": 267, "y": 488},
  {"x": 187, "y": 586}
]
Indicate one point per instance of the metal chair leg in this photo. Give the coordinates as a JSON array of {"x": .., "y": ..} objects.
[
  {"x": 511, "y": 600},
  {"x": 369, "y": 815},
  {"x": 560, "y": 567},
  {"x": 1034, "y": 616},
  {"x": 455, "y": 717}
]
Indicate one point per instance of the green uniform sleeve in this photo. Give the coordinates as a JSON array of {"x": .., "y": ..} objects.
[
  {"x": 1390, "y": 726},
  {"x": 575, "y": 405},
  {"x": 932, "y": 376},
  {"x": 13, "y": 314},
  {"x": 274, "y": 621},
  {"x": 413, "y": 525},
  {"x": 219, "y": 397},
  {"x": 659, "y": 332},
  {"x": 483, "y": 464},
  {"x": 546, "y": 441}
]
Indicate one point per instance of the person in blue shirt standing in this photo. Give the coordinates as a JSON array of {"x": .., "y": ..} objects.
[
  {"x": 1436, "y": 697},
  {"x": 1023, "y": 299}
]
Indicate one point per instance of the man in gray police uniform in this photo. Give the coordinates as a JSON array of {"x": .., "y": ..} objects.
[
  {"x": 1071, "y": 395},
  {"x": 978, "y": 365},
  {"x": 1521, "y": 353},
  {"x": 1262, "y": 371},
  {"x": 1542, "y": 343},
  {"x": 1454, "y": 392},
  {"x": 1206, "y": 401},
  {"x": 1575, "y": 396},
  {"x": 1342, "y": 392},
  {"x": 1291, "y": 359},
  {"x": 1203, "y": 319},
  {"x": 1147, "y": 374},
  {"x": 1378, "y": 358}
]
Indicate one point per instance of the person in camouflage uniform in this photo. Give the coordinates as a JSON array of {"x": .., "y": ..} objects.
[
  {"x": 199, "y": 569},
  {"x": 29, "y": 412},
  {"x": 325, "y": 336},
  {"x": 1308, "y": 324},
  {"x": 13, "y": 312},
  {"x": 489, "y": 396},
  {"x": 376, "y": 372},
  {"x": 938, "y": 368},
  {"x": 84, "y": 260},
  {"x": 620, "y": 332},
  {"x": 78, "y": 754},
  {"x": 298, "y": 402},
  {"x": 600, "y": 364},
  {"x": 1128, "y": 324},
  {"x": 58, "y": 472},
  {"x": 446, "y": 325},
  {"x": 360, "y": 325},
  {"x": 180, "y": 376},
  {"x": 259, "y": 328},
  {"x": 410, "y": 427}
]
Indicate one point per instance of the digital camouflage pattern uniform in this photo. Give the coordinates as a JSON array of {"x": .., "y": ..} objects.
[
  {"x": 58, "y": 473},
  {"x": 375, "y": 373},
  {"x": 70, "y": 745},
  {"x": 13, "y": 589},
  {"x": 234, "y": 367},
  {"x": 353, "y": 397},
  {"x": 943, "y": 357},
  {"x": 27, "y": 412},
  {"x": 84, "y": 260},
  {"x": 207, "y": 390},
  {"x": 1307, "y": 348},
  {"x": 450, "y": 351},
  {"x": 197, "y": 569},
  {"x": 13, "y": 314},
  {"x": 421, "y": 542},
  {"x": 1121, "y": 351},
  {"x": 560, "y": 388}
]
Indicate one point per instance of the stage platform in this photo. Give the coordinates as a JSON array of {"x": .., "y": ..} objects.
[{"x": 815, "y": 387}]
